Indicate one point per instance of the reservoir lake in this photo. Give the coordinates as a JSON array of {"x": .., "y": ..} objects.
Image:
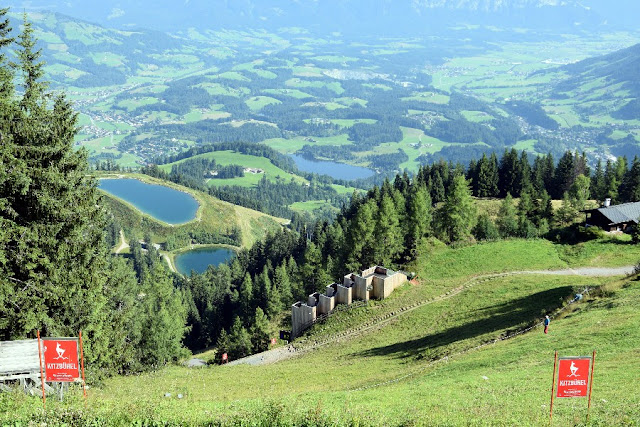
[
  {"x": 162, "y": 203},
  {"x": 333, "y": 169},
  {"x": 199, "y": 259}
]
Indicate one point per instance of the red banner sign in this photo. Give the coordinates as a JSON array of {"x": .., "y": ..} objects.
[
  {"x": 274, "y": 341},
  {"x": 573, "y": 377},
  {"x": 61, "y": 359}
]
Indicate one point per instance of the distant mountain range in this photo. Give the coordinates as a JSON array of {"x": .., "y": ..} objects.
[{"x": 380, "y": 17}]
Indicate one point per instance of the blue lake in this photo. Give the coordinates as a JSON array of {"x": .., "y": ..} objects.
[
  {"x": 163, "y": 203},
  {"x": 333, "y": 169},
  {"x": 199, "y": 259}
]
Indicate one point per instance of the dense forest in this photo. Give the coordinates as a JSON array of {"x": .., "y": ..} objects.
[
  {"x": 56, "y": 271},
  {"x": 57, "y": 274},
  {"x": 389, "y": 225}
]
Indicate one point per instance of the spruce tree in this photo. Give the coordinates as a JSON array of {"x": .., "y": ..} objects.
[
  {"x": 419, "y": 218},
  {"x": 458, "y": 215},
  {"x": 488, "y": 176},
  {"x": 630, "y": 187},
  {"x": 598, "y": 182},
  {"x": 388, "y": 235},
  {"x": 508, "y": 173},
  {"x": 564, "y": 175},
  {"x": 260, "y": 332},
  {"x": 507, "y": 220}
]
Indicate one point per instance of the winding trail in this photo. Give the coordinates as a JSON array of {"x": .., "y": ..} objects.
[
  {"x": 282, "y": 353},
  {"x": 123, "y": 243}
]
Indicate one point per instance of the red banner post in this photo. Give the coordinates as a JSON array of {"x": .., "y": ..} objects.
[
  {"x": 573, "y": 376},
  {"x": 61, "y": 359},
  {"x": 593, "y": 362},
  {"x": 84, "y": 387},
  {"x": 44, "y": 397},
  {"x": 553, "y": 386}
]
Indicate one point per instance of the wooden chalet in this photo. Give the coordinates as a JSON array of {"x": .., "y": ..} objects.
[{"x": 614, "y": 218}]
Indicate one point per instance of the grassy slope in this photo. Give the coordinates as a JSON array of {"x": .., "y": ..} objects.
[
  {"x": 234, "y": 158},
  {"x": 213, "y": 215},
  {"x": 386, "y": 376}
]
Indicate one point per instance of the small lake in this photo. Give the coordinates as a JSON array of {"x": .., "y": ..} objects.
[
  {"x": 333, "y": 169},
  {"x": 161, "y": 202},
  {"x": 199, "y": 259}
]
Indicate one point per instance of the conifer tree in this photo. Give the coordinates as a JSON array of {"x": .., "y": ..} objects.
[
  {"x": 508, "y": 173},
  {"x": 611, "y": 182},
  {"x": 437, "y": 188},
  {"x": 260, "y": 332},
  {"x": 419, "y": 218},
  {"x": 487, "y": 176},
  {"x": 458, "y": 213},
  {"x": 361, "y": 238},
  {"x": 630, "y": 187},
  {"x": 388, "y": 234},
  {"x": 245, "y": 296},
  {"x": 239, "y": 340},
  {"x": 598, "y": 182},
  {"x": 283, "y": 285},
  {"x": 507, "y": 221}
]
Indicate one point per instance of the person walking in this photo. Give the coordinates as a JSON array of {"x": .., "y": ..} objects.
[{"x": 546, "y": 324}]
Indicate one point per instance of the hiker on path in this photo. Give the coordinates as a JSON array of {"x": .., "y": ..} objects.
[{"x": 546, "y": 324}]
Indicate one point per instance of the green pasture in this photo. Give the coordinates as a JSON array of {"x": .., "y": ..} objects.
[
  {"x": 307, "y": 71},
  {"x": 290, "y": 146},
  {"x": 430, "y": 97},
  {"x": 234, "y": 75},
  {"x": 215, "y": 88},
  {"x": 351, "y": 101},
  {"x": 107, "y": 144},
  {"x": 526, "y": 144},
  {"x": 445, "y": 362},
  {"x": 133, "y": 103},
  {"x": 347, "y": 123},
  {"x": 341, "y": 189},
  {"x": 476, "y": 116},
  {"x": 256, "y": 103},
  {"x": 199, "y": 114},
  {"x": 377, "y": 86},
  {"x": 328, "y": 105},
  {"x": 107, "y": 58},
  {"x": 294, "y": 93},
  {"x": 335, "y": 58},
  {"x": 300, "y": 83},
  {"x": 414, "y": 143},
  {"x": 312, "y": 205},
  {"x": 272, "y": 172}
]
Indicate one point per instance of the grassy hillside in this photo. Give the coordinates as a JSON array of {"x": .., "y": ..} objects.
[
  {"x": 214, "y": 217},
  {"x": 431, "y": 354}
]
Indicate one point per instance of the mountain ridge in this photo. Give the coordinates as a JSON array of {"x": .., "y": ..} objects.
[{"x": 350, "y": 16}]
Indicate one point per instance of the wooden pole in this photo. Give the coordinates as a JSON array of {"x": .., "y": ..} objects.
[
  {"x": 593, "y": 362},
  {"x": 84, "y": 388},
  {"x": 44, "y": 397},
  {"x": 553, "y": 386}
]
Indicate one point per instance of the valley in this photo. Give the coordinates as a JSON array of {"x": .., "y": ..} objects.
[
  {"x": 324, "y": 97},
  {"x": 198, "y": 187}
]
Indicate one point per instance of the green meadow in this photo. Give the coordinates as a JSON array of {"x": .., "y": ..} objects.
[
  {"x": 460, "y": 346},
  {"x": 272, "y": 172}
]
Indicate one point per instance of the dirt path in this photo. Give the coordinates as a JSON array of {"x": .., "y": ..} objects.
[
  {"x": 166, "y": 257},
  {"x": 297, "y": 348},
  {"x": 123, "y": 243}
]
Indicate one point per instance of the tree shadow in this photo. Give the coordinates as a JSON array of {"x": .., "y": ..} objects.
[{"x": 505, "y": 317}]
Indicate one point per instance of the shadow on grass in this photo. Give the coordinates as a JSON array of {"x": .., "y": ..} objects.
[{"x": 503, "y": 318}]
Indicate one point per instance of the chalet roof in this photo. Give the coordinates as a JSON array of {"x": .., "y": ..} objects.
[{"x": 624, "y": 213}]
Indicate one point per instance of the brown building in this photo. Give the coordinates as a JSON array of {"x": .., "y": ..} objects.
[{"x": 614, "y": 218}]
